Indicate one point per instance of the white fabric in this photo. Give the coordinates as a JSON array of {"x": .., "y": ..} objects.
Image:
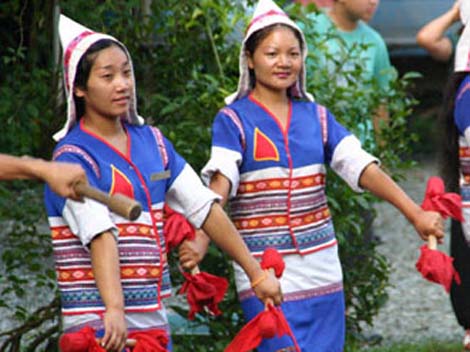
[
  {"x": 462, "y": 51},
  {"x": 349, "y": 161},
  {"x": 302, "y": 272},
  {"x": 87, "y": 219},
  {"x": 137, "y": 321},
  {"x": 68, "y": 31},
  {"x": 187, "y": 195},
  {"x": 226, "y": 162},
  {"x": 267, "y": 13}
]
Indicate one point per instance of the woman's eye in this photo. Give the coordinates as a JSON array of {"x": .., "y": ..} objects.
[
  {"x": 127, "y": 73},
  {"x": 107, "y": 76}
]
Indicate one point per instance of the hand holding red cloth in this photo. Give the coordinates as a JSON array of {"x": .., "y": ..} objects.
[
  {"x": 84, "y": 340},
  {"x": 176, "y": 228},
  {"x": 266, "y": 324},
  {"x": 204, "y": 290},
  {"x": 434, "y": 265}
]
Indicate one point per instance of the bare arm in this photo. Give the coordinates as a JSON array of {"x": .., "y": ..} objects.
[
  {"x": 431, "y": 36},
  {"x": 224, "y": 234},
  {"x": 380, "y": 121},
  {"x": 105, "y": 263},
  {"x": 191, "y": 253},
  {"x": 61, "y": 177},
  {"x": 221, "y": 230},
  {"x": 380, "y": 184}
]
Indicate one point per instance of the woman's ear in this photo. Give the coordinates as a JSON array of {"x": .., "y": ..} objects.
[
  {"x": 249, "y": 60},
  {"x": 79, "y": 92}
]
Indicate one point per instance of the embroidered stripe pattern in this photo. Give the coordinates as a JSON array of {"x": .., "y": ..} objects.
[
  {"x": 141, "y": 268},
  {"x": 323, "y": 122},
  {"x": 69, "y": 148},
  {"x": 236, "y": 120},
  {"x": 161, "y": 145},
  {"x": 68, "y": 54},
  {"x": 263, "y": 217}
]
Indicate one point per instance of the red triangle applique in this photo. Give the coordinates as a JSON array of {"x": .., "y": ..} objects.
[
  {"x": 120, "y": 183},
  {"x": 264, "y": 148}
]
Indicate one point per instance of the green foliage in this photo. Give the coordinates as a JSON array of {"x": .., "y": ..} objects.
[{"x": 185, "y": 57}]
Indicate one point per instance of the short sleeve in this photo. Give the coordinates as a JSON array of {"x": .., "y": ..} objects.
[
  {"x": 344, "y": 153},
  {"x": 186, "y": 193},
  {"x": 86, "y": 219},
  {"x": 228, "y": 143},
  {"x": 384, "y": 72}
]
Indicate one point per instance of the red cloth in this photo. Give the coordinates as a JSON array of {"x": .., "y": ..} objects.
[
  {"x": 155, "y": 340},
  {"x": 434, "y": 265},
  {"x": 437, "y": 267},
  {"x": 446, "y": 204},
  {"x": 204, "y": 290},
  {"x": 83, "y": 340},
  {"x": 271, "y": 259},
  {"x": 176, "y": 228},
  {"x": 266, "y": 324}
]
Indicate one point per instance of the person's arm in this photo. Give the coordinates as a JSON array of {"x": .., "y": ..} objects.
[
  {"x": 224, "y": 234},
  {"x": 431, "y": 36},
  {"x": 381, "y": 185},
  {"x": 61, "y": 177},
  {"x": 380, "y": 120},
  {"x": 105, "y": 263},
  {"x": 191, "y": 253}
]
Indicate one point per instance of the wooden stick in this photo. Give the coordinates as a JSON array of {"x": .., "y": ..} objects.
[
  {"x": 129, "y": 342},
  {"x": 117, "y": 203},
  {"x": 432, "y": 242}
]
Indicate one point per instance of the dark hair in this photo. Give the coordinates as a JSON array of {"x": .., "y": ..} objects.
[
  {"x": 257, "y": 37},
  {"x": 84, "y": 68},
  {"x": 449, "y": 153}
]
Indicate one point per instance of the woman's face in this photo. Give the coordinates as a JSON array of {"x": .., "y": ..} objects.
[
  {"x": 109, "y": 86},
  {"x": 277, "y": 60}
]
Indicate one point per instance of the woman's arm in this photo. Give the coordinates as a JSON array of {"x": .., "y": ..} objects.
[
  {"x": 105, "y": 263},
  {"x": 380, "y": 184},
  {"x": 221, "y": 230},
  {"x": 224, "y": 234},
  {"x": 191, "y": 253},
  {"x": 431, "y": 36}
]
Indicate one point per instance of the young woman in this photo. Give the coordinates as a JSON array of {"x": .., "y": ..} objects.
[
  {"x": 456, "y": 122},
  {"x": 270, "y": 146},
  {"x": 113, "y": 273}
]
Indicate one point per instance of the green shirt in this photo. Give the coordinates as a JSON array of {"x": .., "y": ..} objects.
[{"x": 374, "y": 56}]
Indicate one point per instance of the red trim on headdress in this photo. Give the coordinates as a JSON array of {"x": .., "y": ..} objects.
[
  {"x": 260, "y": 17},
  {"x": 68, "y": 53}
]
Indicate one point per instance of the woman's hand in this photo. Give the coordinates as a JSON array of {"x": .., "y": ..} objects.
[
  {"x": 192, "y": 252},
  {"x": 429, "y": 223},
  {"x": 115, "y": 328},
  {"x": 267, "y": 288}
]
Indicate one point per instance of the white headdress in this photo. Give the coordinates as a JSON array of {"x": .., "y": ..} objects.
[
  {"x": 267, "y": 13},
  {"x": 462, "y": 52},
  {"x": 76, "y": 40}
]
